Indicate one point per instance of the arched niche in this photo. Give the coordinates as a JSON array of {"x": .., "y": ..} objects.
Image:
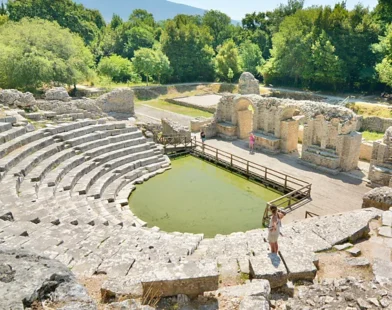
[{"x": 245, "y": 118}]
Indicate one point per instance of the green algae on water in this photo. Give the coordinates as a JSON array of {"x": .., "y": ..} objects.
[{"x": 198, "y": 197}]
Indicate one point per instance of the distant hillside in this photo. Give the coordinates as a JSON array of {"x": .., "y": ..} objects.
[{"x": 161, "y": 9}]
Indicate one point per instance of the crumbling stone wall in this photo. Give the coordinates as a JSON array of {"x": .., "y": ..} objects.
[
  {"x": 380, "y": 171},
  {"x": 247, "y": 84},
  {"x": 375, "y": 123},
  {"x": 170, "y": 128},
  {"x": 330, "y": 139}
]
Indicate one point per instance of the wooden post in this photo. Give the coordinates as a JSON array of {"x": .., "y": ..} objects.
[
  {"x": 231, "y": 160},
  {"x": 285, "y": 182},
  {"x": 247, "y": 168},
  {"x": 216, "y": 155},
  {"x": 265, "y": 177}
]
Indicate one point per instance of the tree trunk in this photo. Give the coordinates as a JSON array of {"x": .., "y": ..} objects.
[{"x": 147, "y": 79}]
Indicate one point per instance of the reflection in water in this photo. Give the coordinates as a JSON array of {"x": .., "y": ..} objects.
[{"x": 198, "y": 197}]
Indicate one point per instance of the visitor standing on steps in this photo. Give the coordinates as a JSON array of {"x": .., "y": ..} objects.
[
  {"x": 252, "y": 139},
  {"x": 274, "y": 228}
]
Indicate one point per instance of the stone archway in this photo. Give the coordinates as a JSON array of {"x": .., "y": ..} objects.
[{"x": 245, "y": 117}]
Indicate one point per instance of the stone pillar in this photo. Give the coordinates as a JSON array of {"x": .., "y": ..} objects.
[
  {"x": 289, "y": 135},
  {"x": 348, "y": 148}
]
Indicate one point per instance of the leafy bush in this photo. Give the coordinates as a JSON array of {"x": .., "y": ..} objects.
[{"x": 118, "y": 69}]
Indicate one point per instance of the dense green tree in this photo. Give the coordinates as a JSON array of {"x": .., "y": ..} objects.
[
  {"x": 34, "y": 52},
  {"x": 151, "y": 63},
  {"x": 116, "y": 21},
  {"x": 142, "y": 18},
  {"x": 136, "y": 38},
  {"x": 328, "y": 68},
  {"x": 251, "y": 57},
  {"x": 219, "y": 25},
  {"x": 117, "y": 68},
  {"x": 87, "y": 23},
  {"x": 227, "y": 61},
  {"x": 188, "y": 47},
  {"x": 384, "y": 68}
]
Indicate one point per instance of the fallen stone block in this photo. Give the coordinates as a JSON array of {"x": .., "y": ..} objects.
[
  {"x": 387, "y": 218},
  {"x": 260, "y": 288},
  {"x": 358, "y": 262},
  {"x": 252, "y": 303},
  {"x": 341, "y": 247},
  {"x": 270, "y": 268},
  {"x": 354, "y": 251},
  {"x": 385, "y": 231}
]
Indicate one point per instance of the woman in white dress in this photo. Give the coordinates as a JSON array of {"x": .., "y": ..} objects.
[{"x": 274, "y": 228}]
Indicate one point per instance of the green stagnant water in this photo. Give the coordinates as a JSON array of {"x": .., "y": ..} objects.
[{"x": 198, "y": 197}]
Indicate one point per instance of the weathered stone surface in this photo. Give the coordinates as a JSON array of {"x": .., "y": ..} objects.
[
  {"x": 358, "y": 262},
  {"x": 170, "y": 128},
  {"x": 57, "y": 93},
  {"x": 379, "y": 197},
  {"x": 341, "y": 247},
  {"x": 252, "y": 303},
  {"x": 119, "y": 100},
  {"x": 247, "y": 84},
  {"x": 354, "y": 251},
  {"x": 385, "y": 231},
  {"x": 27, "y": 278},
  {"x": 270, "y": 268},
  {"x": 387, "y": 218},
  {"x": 382, "y": 271},
  {"x": 15, "y": 98},
  {"x": 259, "y": 288},
  {"x": 127, "y": 305}
]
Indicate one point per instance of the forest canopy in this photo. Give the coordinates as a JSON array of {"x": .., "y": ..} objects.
[{"x": 320, "y": 47}]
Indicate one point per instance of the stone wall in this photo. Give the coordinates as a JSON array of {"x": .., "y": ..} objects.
[
  {"x": 170, "y": 128},
  {"x": 379, "y": 198},
  {"x": 375, "y": 123},
  {"x": 119, "y": 100},
  {"x": 365, "y": 152},
  {"x": 380, "y": 171},
  {"x": 199, "y": 122}
]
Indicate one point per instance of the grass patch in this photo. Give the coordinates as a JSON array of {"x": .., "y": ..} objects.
[
  {"x": 367, "y": 109},
  {"x": 372, "y": 136},
  {"x": 161, "y": 104}
]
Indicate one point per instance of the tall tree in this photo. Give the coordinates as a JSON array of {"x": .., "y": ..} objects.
[
  {"x": 251, "y": 57},
  {"x": 227, "y": 61},
  {"x": 219, "y": 25},
  {"x": 150, "y": 63},
  {"x": 384, "y": 68},
  {"x": 188, "y": 47},
  {"x": 33, "y": 52},
  {"x": 87, "y": 23}
]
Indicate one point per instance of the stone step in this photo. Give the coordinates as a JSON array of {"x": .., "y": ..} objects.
[
  {"x": 149, "y": 164},
  {"x": 11, "y": 133},
  {"x": 188, "y": 278},
  {"x": 5, "y": 127},
  {"x": 117, "y": 159},
  {"x": 39, "y": 173},
  {"x": 22, "y": 152},
  {"x": 69, "y": 135},
  {"x": 22, "y": 140},
  {"x": 84, "y": 147},
  {"x": 70, "y": 126},
  {"x": 114, "y": 146}
]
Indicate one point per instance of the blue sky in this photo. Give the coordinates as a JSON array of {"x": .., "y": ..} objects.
[{"x": 237, "y": 9}]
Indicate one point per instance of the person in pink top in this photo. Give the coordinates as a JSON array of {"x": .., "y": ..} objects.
[{"x": 252, "y": 139}]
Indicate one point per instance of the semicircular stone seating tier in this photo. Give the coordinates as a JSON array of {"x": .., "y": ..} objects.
[{"x": 64, "y": 194}]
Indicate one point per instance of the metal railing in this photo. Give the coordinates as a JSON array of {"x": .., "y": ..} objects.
[{"x": 295, "y": 190}]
